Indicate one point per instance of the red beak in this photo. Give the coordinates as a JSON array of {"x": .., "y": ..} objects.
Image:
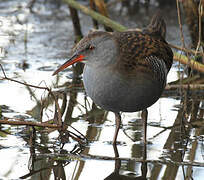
[{"x": 75, "y": 58}]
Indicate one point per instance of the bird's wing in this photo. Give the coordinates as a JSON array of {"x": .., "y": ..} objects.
[
  {"x": 142, "y": 53},
  {"x": 138, "y": 51}
]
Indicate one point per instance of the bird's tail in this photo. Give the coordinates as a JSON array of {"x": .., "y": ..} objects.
[{"x": 157, "y": 25}]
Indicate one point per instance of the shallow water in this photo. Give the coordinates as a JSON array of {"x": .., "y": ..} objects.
[{"x": 32, "y": 46}]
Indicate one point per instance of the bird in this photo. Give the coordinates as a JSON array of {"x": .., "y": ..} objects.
[{"x": 124, "y": 71}]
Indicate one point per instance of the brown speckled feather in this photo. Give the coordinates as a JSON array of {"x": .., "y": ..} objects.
[
  {"x": 146, "y": 51},
  {"x": 140, "y": 46}
]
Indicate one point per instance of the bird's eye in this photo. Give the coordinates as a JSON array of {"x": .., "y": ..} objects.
[{"x": 91, "y": 47}]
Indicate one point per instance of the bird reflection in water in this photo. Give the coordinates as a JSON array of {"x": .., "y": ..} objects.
[{"x": 116, "y": 174}]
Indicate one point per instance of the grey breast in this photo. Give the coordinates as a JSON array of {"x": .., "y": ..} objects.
[{"x": 113, "y": 92}]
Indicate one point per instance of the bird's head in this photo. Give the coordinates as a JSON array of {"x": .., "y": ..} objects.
[{"x": 96, "y": 49}]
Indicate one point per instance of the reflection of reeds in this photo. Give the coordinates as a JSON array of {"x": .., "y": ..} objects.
[{"x": 178, "y": 140}]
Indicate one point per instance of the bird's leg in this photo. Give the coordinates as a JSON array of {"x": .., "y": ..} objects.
[
  {"x": 117, "y": 122},
  {"x": 144, "y": 118}
]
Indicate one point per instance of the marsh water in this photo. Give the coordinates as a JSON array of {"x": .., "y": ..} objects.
[{"x": 33, "y": 45}]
